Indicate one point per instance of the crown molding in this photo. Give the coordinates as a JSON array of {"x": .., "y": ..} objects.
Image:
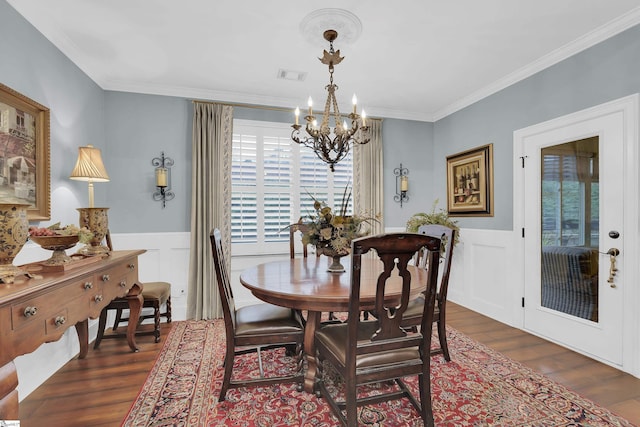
[{"x": 590, "y": 39}]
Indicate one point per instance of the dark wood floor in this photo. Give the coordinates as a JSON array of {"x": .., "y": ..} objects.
[{"x": 99, "y": 390}]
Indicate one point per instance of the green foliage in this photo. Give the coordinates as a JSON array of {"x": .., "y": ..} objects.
[{"x": 439, "y": 216}]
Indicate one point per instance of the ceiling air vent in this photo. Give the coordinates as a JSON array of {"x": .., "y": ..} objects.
[{"x": 292, "y": 75}]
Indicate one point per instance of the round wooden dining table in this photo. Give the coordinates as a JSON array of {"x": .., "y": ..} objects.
[{"x": 305, "y": 284}]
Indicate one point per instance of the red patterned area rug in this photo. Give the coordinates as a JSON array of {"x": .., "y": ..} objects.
[{"x": 479, "y": 387}]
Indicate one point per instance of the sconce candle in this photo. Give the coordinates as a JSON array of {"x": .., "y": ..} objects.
[
  {"x": 402, "y": 184},
  {"x": 163, "y": 179}
]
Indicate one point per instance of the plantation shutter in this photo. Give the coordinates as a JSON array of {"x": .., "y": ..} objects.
[{"x": 274, "y": 183}]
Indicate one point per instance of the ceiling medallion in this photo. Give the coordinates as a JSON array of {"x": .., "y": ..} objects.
[{"x": 344, "y": 22}]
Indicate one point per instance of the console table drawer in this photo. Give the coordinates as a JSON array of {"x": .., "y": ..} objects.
[
  {"x": 123, "y": 269},
  {"x": 37, "y": 309},
  {"x": 58, "y": 322},
  {"x": 118, "y": 286}
]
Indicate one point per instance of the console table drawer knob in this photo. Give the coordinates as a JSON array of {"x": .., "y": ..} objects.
[
  {"x": 59, "y": 321},
  {"x": 132, "y": 266},
  {"x": 30, "y": 311},
  {"x": 105, "y": 277},
  {"x": 98, "y": 298},
  {"x": 88, "y": 285},
  {"x": 123, "y": 284}
]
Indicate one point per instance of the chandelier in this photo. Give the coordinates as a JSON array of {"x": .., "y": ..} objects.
[{"x": 332, "y": 140}]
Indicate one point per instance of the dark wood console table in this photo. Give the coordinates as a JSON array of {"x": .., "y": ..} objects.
[{"x": 40, "y": 309}]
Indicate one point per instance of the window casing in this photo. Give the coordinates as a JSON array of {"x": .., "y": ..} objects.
[{"x": 274, "y": 181}]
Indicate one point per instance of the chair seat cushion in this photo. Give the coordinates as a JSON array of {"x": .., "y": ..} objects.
[
  {"x": 266, "y": 319},
  {"x": 156, "y": 290},
  {"x": 334, "y": 338}
]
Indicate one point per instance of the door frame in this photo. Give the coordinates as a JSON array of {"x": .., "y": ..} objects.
[{"x": 629, "y": 107}]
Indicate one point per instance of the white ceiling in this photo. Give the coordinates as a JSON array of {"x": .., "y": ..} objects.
[{"x": 415, "y": 59}]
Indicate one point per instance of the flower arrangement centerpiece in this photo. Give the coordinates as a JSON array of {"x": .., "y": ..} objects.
[{"x": 332, "y": 232}]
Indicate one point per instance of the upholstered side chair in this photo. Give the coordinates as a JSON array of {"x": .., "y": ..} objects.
[
  {"x": 259, "y": 326},
  {"x": 413, "y": 315},
  {"x": 382, "y": 350}
]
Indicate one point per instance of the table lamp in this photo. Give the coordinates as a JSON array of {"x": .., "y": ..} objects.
[{"x": 89, "y": 167}]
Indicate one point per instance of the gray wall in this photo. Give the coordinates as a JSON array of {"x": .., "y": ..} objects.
[
  {"x": 31, "y": 65},
  {"x": 409, "y": 143},
  {"x": 139, "y": 128},
  {"x": 607, "y": 71}
]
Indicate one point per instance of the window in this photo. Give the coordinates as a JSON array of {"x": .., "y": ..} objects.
[{"x": 273, "y": 180}]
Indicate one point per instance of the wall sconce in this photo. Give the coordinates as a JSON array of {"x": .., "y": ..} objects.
[
  {"x": 402, "y": 184},
  {"x": 163, "y": 179}
]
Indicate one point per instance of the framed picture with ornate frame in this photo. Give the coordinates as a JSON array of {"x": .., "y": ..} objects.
[
  {"x": 470, "y": 182},
  {"x": 24, "y": 153}
]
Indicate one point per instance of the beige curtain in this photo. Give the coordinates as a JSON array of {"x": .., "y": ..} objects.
[
  {"x": 210, "y": 204},
  {"x": 368, "y": 177}
]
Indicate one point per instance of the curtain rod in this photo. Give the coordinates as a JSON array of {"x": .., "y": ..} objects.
[
  {"x": 236, "y": 104},
  {"x": 259, "y": 107}
]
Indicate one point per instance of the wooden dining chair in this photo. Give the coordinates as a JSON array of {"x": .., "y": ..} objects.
[
  {"x": 154, "y": 296},
  {"x": 413, "y": 315},
  {"x": 259, "y": 326},
  {"x": 293, "y": 229},
  {"x": 381, "y": 350}
]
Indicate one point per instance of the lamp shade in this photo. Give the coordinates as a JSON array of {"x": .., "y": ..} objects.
[{"x": 89, "y": 166}]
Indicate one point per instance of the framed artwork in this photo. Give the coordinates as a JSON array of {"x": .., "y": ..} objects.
[
  {"x": 470, "y": 182},
  {"x": 24, "y": 153}
]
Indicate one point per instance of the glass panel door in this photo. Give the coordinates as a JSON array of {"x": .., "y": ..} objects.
[{"x": 570, "y": 225}]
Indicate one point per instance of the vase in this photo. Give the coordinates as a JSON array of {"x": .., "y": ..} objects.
[
  {"x": 336, "y": 266},
  {"x": 96, "y": 220},
  {"x": 14, "y": 231}
]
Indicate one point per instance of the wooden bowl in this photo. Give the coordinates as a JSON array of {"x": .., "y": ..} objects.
[{"x": 57, "y": 242}]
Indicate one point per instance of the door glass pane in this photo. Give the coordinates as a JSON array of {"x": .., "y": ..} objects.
[{"x": 570, "y": 224}]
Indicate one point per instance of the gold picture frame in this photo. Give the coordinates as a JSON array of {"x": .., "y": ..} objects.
[
  {"x": 470, "y": 182},
  {"x": 25, "y": 170}
]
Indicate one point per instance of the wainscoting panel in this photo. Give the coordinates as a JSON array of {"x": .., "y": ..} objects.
[
  {"x": 166, "y": 259},
  {"x": 482, "y": 276}
]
